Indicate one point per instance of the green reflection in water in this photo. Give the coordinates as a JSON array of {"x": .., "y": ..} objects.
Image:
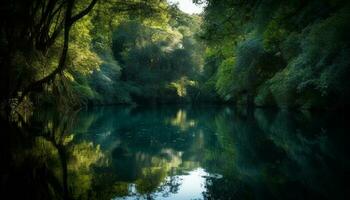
[{"x": 176, "y": 153}]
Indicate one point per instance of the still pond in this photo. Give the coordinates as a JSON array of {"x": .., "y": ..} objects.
[{"x": 178, "y": 153}]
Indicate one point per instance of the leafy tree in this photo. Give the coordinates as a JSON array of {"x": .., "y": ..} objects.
[
  {"x": 28, "y": 30},
  {"x": 288, "y": 54}
]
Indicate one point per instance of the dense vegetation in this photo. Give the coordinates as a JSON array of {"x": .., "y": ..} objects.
[
  {"x": 142, "y": 51},
  {"x": 71, "y": 53},
  {"x": 286, "y": 53},
  {"x": 58, "y": 56}
]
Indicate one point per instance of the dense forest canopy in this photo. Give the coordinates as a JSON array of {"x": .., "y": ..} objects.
[
  {"x": 285, "y": 53},
  {"x": 74, "y": 53}
]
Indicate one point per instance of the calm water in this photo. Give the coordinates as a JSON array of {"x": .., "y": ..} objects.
[{"x": 176, "y": 153}]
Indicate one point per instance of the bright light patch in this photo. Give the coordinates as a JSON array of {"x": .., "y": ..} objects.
[{"x": 188, "y": 6}]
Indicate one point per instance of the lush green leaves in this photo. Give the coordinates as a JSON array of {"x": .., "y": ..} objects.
[{"x": 286, "y": 54}]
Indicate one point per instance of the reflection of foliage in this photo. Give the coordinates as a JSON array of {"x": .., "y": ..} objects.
[
  {"x": 181, "y": 121},
  {"x": 170, "y": 185},
  {"x": 150, "y": 179},
  {"x": 270, "y": 154},
  {"x": 55, "y": 153},
  {"x": 83, "y": 155},
  {"x": 136, "y": 153}
]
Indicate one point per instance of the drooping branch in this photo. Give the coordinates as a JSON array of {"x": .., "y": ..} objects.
[{"x": 68, "y": 22}]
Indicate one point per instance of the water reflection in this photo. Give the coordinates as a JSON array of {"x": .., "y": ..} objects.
[
  {"x": 177, "y": 187},
  {"x": 175, "y": 153},
  {"x": 181, "y": 120}
]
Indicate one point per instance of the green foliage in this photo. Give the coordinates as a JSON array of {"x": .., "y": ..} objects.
[
  {"x": 155, "y": 59},
  {"x": 127, "y": 58},
  {"x": 225, "y": 78},
  {"x": 290, "y": 54},
  {"x": 284, "y": 54},
  {"x": 273, "y": 36}
]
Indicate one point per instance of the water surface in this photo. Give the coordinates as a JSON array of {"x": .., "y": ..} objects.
[{"x": 177, "y": 153}]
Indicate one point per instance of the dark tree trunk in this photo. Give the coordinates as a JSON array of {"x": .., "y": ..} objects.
[{"x": 24, "y": 28}]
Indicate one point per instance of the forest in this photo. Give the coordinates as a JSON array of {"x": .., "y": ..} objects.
[
  {"x": 174, "y": 99},
  {"x": 72, "y": 54}
]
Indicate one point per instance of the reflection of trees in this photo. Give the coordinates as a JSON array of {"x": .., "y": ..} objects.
[
  {"x": 26, "y": 173},
  {"x": 170, "y": 185},
  {"x": 274, "y": 154},
  {"x": 151, "y": 171},
  {"x": 262, "y": 153},
  {"x": 44, "y": 154},
  {"x": 181, "y": 120},
  {"x": 147, "y": 153},
  {"x": 49, "y": 156},
  {"x": 310, "y": 154},
  {"x": 265, "y": 154}
]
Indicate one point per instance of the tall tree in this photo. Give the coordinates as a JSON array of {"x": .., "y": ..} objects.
[{"x": 29, "y": 29}]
